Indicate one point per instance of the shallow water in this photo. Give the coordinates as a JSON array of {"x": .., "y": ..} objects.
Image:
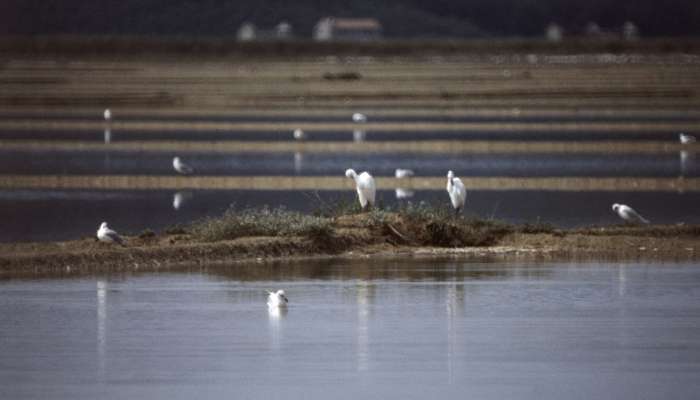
[
  {"x": 50, "y": 214},
  {"x": 526, "y": 165},
  {"x": 38, "y": 215},
  {"x": 390, "y": 329}
]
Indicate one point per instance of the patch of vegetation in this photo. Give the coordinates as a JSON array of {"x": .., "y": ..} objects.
[
  {"x": 147, "y": 233},
  {"x": 177, "y": 229},
  {"x": 659, "y": 231},
  {"x": 262, "y": 222},
  {"x": 437, "y": 226},
  {"x": 342, "y": 76}
]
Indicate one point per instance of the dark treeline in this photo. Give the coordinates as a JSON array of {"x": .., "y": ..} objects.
[{"x": 400, "y": 19}]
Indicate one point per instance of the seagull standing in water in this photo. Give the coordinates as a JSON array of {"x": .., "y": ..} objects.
[
  {"x": 628, "y": 214},
  {"x": 686, "y": 139},
  {"x": 277, "y": 299},
  {"x": 403, "y": 173},
  {"x": 181, "y": 167},
  {"x": 104, "y": 234},
  {"x": 107, "y": 114},
  {"x": 366, "y": 189},
  {"x": 457, "y": 192}
]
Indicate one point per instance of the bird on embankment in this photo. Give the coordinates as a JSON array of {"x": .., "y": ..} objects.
[
  {"x": 457, "y": 192},
  {"x": 106, "y": 235},
  {"x": 628, "y": 214},
  {"x": 366, "y": 189}
]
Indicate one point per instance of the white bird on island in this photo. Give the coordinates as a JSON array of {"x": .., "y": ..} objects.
[
  {"x": 299, "y": 134},
  {"x": 628, "y": 214},
  {"x": 359, "y": 118},
  {"x": 181, "y": 167},
  {"x": 107, "y": 114},
  {"x": 403, "y": 173},
  {"x": 366, "y": 189},
  {"x": 277, "y": 299},
  {"x": 457, "y": 192},
  {"x": 104, "y": 234},
  {"x": 686, "y": 139}
]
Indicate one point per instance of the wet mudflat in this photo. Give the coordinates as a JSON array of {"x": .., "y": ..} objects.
[{"x": 379, "y": 329}]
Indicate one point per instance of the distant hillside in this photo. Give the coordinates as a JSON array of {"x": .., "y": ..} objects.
[{"x": 406, "y": 18}]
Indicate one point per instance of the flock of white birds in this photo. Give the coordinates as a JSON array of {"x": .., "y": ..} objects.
[
  {"x": 366, "y": 194},
  {"x": 366, "y": 190}
]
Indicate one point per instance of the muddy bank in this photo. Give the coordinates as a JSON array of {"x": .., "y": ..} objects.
[{"x": 359, "y": 236}]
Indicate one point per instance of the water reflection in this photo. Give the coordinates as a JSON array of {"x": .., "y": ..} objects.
[
  {"x": 180, "y": 198},
  {"x": 359, "y": 135},
  {"x": 101, "y": 326},
  {"x": 402, "y": 193},
  {"x": 276, "y": 316},
  {"x": 298, "y": 162},
  {"x": 363, "y": 306},
  {"x": 108, "y": 135},
  {"x": 448, "y": 329}
]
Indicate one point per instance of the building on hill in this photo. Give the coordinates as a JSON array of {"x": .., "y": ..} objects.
[{"x": 347, "y": 29}]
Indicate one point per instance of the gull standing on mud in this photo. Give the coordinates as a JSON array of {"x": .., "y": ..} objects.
[
  {"x": 403, "y": 173},
  {"x": 686, "y": 139},
  {"x": 181, "y": 167},
  {"x": 366, "y": 189},
  {"x": 277, "y": 299},
  {"x": 104, "y": 234},
  {"x": 457, "y": 192},
  {"x": 628, "y": 214}
]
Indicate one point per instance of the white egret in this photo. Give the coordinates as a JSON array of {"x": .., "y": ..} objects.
[
  {"x": 107, "y": 114},
  {"x": 277, "y": 299},
  {"x": 366, "y": 189},
  {"x": 686, "y": 139},
  {"x": 457, "y": 191},
  {"x": 359, "y": 118},
  {"x": 181, "y": 167},
  {"x": 628, "y": 214},
  {"x": 403, "y": 173},
  {"x": 299, "y": 134},
  {"x": 104, "y": 234}
]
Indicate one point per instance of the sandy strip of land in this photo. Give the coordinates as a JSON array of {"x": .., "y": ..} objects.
[
  {"x": 428, "y": 146},
  {"x": 142, "y": 182},
  {"x": 457, "y": 127}
]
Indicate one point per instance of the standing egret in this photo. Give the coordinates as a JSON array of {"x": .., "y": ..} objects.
[
  {"x": 277, "y": 299},
  {"x": 365, "y": 186},
  {"x": 181, "y": 167},
  {"x": 686, "y": 139},
  {"x": 628, "y": 214},
  {"x": 104, "y": 234},
  {"x": 457, "y": 192},
  {"x": 107, "y": 114},
  {"x": 359, "y": 118}
]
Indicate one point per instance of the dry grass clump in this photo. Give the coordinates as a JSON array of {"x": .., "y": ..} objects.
[{"x": 261, "y": 222}]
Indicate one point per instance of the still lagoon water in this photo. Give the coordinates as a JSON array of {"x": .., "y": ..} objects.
[{"x": 356, "y": 328}]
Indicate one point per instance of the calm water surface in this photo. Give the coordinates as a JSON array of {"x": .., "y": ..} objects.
[{"x": 390, "y": 329}]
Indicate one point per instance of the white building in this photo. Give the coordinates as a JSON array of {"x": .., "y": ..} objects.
[{"x": 347, "y": 29}]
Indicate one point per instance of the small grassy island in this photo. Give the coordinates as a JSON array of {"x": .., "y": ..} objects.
[{"x": 414, "y": 230}]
